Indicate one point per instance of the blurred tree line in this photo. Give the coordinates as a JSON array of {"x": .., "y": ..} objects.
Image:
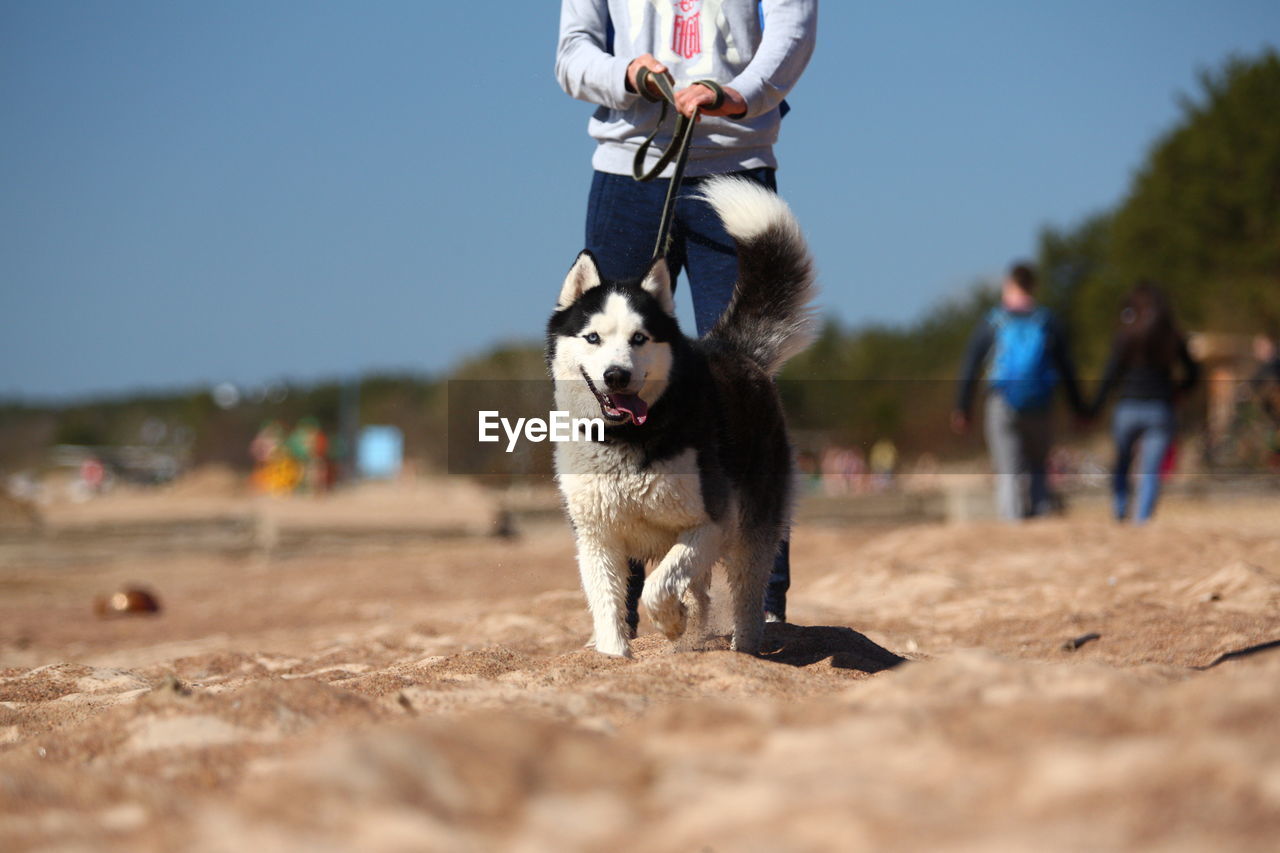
[
  {"x": 204, "y": 432},
  {"x": 1201, "y": 217}
]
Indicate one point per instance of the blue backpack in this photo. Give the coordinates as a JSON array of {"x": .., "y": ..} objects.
[{"x": 1022, "y": 369}]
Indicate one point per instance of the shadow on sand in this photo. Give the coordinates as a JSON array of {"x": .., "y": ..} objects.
[
  {"x": 802, "y": 645},
  {"x": 1241, "y": 653}
]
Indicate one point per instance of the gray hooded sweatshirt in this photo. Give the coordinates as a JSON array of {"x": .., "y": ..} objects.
[{"x": 722, "y": 40}]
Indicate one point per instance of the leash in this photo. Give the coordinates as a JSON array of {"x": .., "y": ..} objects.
[{"x": 678, "y": 150}]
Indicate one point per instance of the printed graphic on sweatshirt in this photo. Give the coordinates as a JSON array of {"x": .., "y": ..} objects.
[
  {"x": 686, "y": 30},
  {"x": 692, "y": 37}
]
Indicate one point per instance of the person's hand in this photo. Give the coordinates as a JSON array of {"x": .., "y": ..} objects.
[
  {"x": 644, "y": 60},
  {"x": 700, "y": 98},
  {"x": 959, "y": 422}
]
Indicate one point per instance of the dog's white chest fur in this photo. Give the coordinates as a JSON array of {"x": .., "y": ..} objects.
[{"x": 605, "y": 486}]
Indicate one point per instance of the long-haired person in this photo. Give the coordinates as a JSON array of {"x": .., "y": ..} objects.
[{"x": 1149, "y": 368}]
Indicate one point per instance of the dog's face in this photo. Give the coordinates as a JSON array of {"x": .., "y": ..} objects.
[{"x": 609, "y": 344}]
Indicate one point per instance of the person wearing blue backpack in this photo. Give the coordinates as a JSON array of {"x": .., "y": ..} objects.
[{"x": 1029, "y": 361}]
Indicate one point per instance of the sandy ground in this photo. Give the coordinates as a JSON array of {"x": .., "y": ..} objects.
[{"x": 435, "y": 695}]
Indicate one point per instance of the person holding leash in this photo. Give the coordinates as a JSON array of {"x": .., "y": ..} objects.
[{"x": 752, "y": 53}]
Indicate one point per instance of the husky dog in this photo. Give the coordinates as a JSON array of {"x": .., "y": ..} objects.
[{"x": 695, "y": 466}]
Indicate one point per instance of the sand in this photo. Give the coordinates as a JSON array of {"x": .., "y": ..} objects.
[{"x": 433, "y": 694}]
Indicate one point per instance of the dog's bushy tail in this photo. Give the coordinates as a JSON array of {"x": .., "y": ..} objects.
[{"x": 769, "y": 317}]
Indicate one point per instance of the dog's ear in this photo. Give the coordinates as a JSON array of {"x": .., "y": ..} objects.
[
  {"x": 657, "y": 283},
  {"x": 583, "y": 276}
]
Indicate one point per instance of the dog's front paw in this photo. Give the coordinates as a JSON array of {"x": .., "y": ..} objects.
[
  {"x": 617, "y": 648},
  {"x": 668, "y": 613},
  {"x": 622, "y": 650}
]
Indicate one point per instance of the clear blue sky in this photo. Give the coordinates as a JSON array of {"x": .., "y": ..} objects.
[{"x": 197, "y": 192}]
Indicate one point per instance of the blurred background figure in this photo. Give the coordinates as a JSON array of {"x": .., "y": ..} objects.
[
  {"x": 267, "y": 443},
  {"x": 1029, "y": 360},
  {"x": 883, "y": 460},
  {"x": 274, "y": 470},
  {"x": 844, "y": 471},
  {"x": 309, "y": 447},
  {"x": 93, "y": 476},
  {"x": 808, "y": 471},
  {"x": 1265, "y": 382},
  {"x": 1264, "y": 387},
  {"x": 1147, "y": 352}
]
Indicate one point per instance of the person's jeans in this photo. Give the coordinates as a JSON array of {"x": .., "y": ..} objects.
[
  {"x": 1152, "y": 422},
  {"x": 1019, "y": 442},
  {"x": 622, "y": 226}
]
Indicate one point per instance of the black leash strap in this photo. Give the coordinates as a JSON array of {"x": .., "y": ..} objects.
[{"x": 678, "y": 150}]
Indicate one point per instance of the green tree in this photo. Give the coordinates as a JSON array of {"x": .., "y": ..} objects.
[{"x": 1203, "y": 215}]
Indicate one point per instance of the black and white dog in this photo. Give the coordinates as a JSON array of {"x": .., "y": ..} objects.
[{"x": 695, "y": 466}]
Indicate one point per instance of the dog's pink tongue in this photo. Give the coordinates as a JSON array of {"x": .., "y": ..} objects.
[{"x": 632, "y": 405}]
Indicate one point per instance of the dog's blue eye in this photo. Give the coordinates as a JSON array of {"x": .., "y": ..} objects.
[
  {"x": 637, "y": 339},
  {"x": 592, "y": 338}
]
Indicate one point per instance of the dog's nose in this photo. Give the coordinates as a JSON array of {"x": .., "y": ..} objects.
[{"x": 616, "y": 378}]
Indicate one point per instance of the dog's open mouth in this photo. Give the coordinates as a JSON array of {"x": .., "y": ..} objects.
[{"x": 620, "y": 408}]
